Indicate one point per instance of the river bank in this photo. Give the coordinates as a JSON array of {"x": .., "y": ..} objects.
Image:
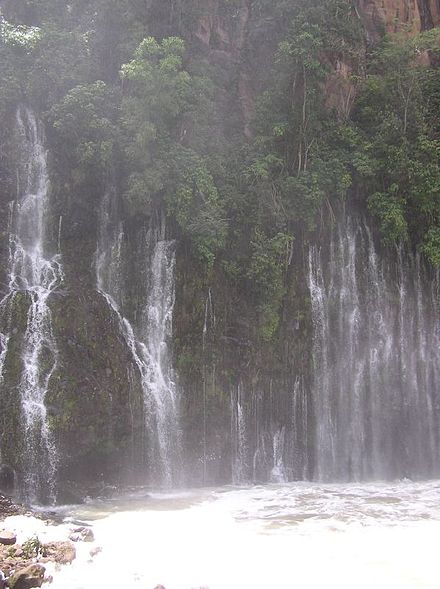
[{"x": 33, "y": 549}]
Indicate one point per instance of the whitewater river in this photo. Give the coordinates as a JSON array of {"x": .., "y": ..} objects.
[{"x": 299, "y": 535}]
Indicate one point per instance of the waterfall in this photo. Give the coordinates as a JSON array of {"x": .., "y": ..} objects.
[
  {"x": 109, "y": 254},
  {"x": 33, "y": 275},
  {"x": 239, "y": 438},
  {"x": 209, "y": 321},
  {"x": 270, "y": 433},
  {"x": 161, "y": 393},
  {"x": 300, "y": 430},
  {"x": 278, "y": 472},
  {"x": 376, "y": 360},
  {"x": 148, "y": 336},
  {"x": 209, "y": 325}
]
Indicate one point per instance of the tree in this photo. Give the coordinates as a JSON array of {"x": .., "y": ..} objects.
[{"x": 400, "y": 138}]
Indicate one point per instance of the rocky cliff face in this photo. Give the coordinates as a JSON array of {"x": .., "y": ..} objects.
[
  {"x": 225, "y": 40},
  {"x": 247, "y": 408},
  {"x": 60, "y": 345},
  {"x": 393, "y": 16},
  {"x": 261, "y": 393},
  {"x": 378, "y": 17}
]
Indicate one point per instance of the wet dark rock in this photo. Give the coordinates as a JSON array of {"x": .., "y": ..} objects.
[
  {"x": 28, "y": 577},
  {"x": 70, "y": 494},
  {"x": 86, "y": 395},
  {"x": 7, "y": 478}
]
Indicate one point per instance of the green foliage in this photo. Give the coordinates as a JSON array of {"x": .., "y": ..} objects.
[
  {"x": 157, "y": 78},
  {"x": 299, "y": 159},
  {"x": 61, "y": 62},
  {"x": 389, "y": 207},
  {"x": 294, "y": 147},
  {"x": 84, "y": 132},
  {"x": 19, "y": 36},
  {"x": 266, "y": 271},
  {"x": 431, "y": 246},
  {"x": 154, "y": 114},
  {"x": 17, "y": 45},
  {"x": 399, "y": 152},
  {"x": 197, "y": 209},
  {"x": 32, "y": 548},
  {"x": 159, "y": 94}
]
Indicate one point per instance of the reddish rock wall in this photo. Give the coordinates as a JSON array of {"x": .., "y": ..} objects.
[
  {"x": 393, "y": 16},
  {"x": 379, "y": 17}
]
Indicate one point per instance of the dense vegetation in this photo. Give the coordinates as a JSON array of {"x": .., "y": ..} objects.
[{"x": 136, "y": 106}]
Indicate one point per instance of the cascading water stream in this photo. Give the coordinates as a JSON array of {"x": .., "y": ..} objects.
[
  {"x": 4, "y": 341},
  {"x": 209, "y": 325},
  {"x": 239, "y": 438},
  {"x": 149, "y": 340},
  {"x": 278, "y": 472},
  {"x": 300, "y": 430},
  {"x": 33, "y": 275},
  {"x": 376, "y": 361},
  {"x": 159, "y": 383}
]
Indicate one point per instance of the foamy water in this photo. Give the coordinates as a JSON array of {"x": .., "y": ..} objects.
[{"x": 363, "y": 536}]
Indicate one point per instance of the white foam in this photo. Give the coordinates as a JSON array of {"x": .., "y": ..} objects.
[{"x": 337, "y": 537}]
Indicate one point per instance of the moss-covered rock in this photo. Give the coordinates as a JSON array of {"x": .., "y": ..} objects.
[{"x": 94, "y": 399}]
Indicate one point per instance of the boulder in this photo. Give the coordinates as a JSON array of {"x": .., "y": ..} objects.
[
  {"x": 28, "y": 577},
  {"x": 2, "y": 580},
  {"x": 59, "y": 552},
  {"x": 7, "y": 538},
  {"x": 82, "y": 534}
]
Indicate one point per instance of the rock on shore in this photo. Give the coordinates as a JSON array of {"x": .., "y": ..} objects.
[
  {"x": 7, "y": 507},
  {"x": 28, "y": 546}
]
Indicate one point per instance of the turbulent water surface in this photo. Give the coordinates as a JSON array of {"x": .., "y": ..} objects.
[{"x": 381, "y": 535}]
